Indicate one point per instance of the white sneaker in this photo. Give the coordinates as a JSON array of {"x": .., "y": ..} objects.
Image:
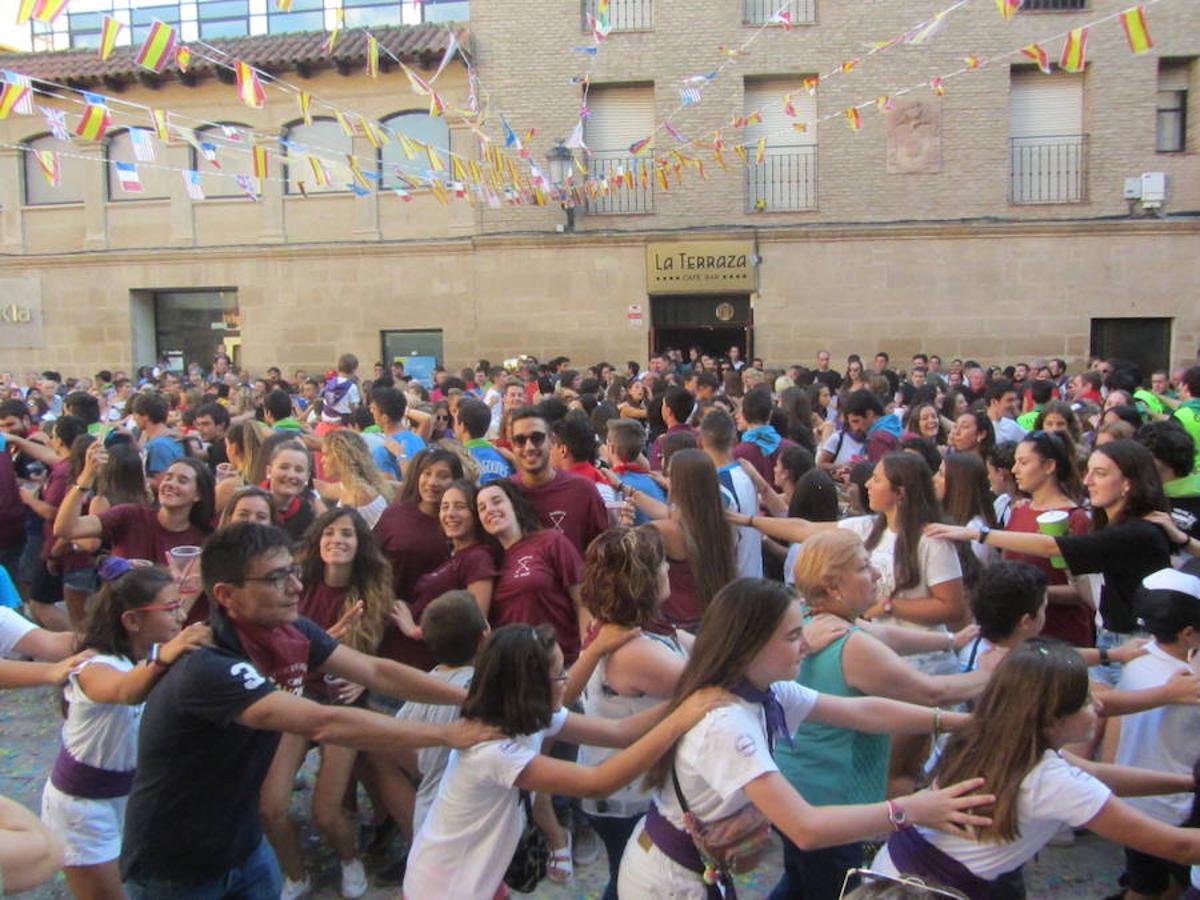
[
  {"x": 294, "y": 890},
  {"x": 586, "y": 846},
  {"x": 354, "y": 879}
]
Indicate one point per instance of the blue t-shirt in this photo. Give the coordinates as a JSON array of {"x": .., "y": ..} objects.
[
  {"x": 642, "y": 481},
  {"x": 161, "y": 452},
  {"x": 413, "y": 444},
  {"x": 492, "y": 464}
]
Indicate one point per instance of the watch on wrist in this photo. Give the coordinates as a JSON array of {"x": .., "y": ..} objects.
[
  {"x": 896, "y": 815},
  {"x": 155, "y": 657},
  {"x": 984, "y": 531}
]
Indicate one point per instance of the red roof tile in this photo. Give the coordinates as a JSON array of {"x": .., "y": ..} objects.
[{"x": 414, "y": 44}]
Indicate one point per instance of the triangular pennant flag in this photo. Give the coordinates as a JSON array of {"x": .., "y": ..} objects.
[
  {"x": 23, "y": 104},
  {"x": 25, "y": 11},
  {"x": 158, "y": 48},
  {"x": 339, "y": 21},
  {"x": 972, "y": 61},
  {"x": 249, "y": 88},
  {"x": 248, "y": 185},
  {"x": 347, "y": 128},
  {"x": 938, "y": 87},
  {"x": 435, "y": 161},
  {"x": 1074, "y": 52},
  {"x": 283, "y": 5},
  {"x": 451, "y": 50},
  {"x": 209, "y": 152},
  {"x": 109, "y": 32},
  {"x": 575, "y": 141},
  {"x": 883, "y": 102},
  {"x": 926, "y": 30},
  {"x": 1137, "y": 33},
  {"x": 320, "y": 173},
  {"x": 810, "y": 84},
  {"x": 50, "y": 166},
  {"x": 183, "y": 58},
  {"x": 1038, "y": 54},
  {"x": 848, "y": 66},
  {"x": 760, "y": 154}
]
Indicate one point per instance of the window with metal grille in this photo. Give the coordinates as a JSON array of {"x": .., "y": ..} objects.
[
  {"x": 760, "y": 12},
  {"x": 622, "y": 116},
  {"x": 1047, "y": 146},
  {"x": 623, "y": 15},
  {"x": 786, "y": 178},
  {"x": 1053, "y": 5}
]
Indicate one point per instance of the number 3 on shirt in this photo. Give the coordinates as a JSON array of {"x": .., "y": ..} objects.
[{"x": 249, "y": 675}]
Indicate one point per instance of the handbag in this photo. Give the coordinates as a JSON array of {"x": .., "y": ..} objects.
[
  {"x": 732, "y": 845},
  {"x": 531, "y": 859}
]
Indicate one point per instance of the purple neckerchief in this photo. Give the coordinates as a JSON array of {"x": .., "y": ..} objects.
[
  {"x": 912, "y": 854},
  {"x": 677, "y": 845},
  {"x": 79, "y": 779},
  {"x": 1192, "y": 893},
  {"x": 772, "y": 709}
]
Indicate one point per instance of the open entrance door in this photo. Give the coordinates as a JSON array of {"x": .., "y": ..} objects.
[{"x": 712, "y": 322}]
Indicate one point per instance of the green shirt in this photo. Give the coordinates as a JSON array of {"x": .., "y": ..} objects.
[
  {"x": 1188, "y": 415},
  {"x": 288, "y": 423},
  {"x": 1029, "y": 419}
]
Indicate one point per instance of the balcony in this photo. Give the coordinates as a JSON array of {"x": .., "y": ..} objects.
[
  {"x": 760, "y": 12},
  {"x": 785, "y": 180},
  {"x": 1050, "y": 169},
  {"x": 623, "y": 15},
  {"x": 622, "y": 200}
]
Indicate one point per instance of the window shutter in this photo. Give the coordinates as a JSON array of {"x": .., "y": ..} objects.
[
  {"x": 768, "y": 96},
  {"x": 621, "y": 116},
  {"x": 1045, "y": 105}
]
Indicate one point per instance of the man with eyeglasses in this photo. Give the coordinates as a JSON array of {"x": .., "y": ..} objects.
[
  {"x": 211, "y": 725},
  {"x": 566, "y": 502}
]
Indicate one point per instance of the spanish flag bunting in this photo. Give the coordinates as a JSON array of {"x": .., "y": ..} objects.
[
  {"x": 760, "y": 154},
  {"x": 938, "y": 87},
  {"x": 1008, "y": 8},
  {"x": 848, "y": 65},
  {"x": 1074, "y": 52},
  {"x": 96, "y": 118},
  {"x": 109, "y": 32},
  {"x": 158, "y": 48},
  {"x": 49, "y": 10},
  {"x": 1038, "y": 54},
  {"x": 347, "y": 128},
  {"x": 162, "y": 123},
  {"x": 435, "y": 161},
  {"x": 406, "y": 145},
  {"x": 25, "y": 11},
  {"x": 320, "y": 173},
  {"x": 922, "y": 33},
  {"x": 283, "y": 5},
  {"x": 13, "y": 94},
  {"x": 249, "y": 88},
  {"x": 444, "y": 198},
  {"x": 356, "y": 171},
  {"x": 261, "y": 158},
  {"x": 477, "y": 172},
  {"x": 971, "y": 61},
  {"x": 372, "y": 56},
  {"x": 883, "y": 103},
  {"x": 662, "y": 180},
  {"x": 369, "y": 132},
  {"x": 740, "y": 150},
  {"x": 1133, "y": 20},
  {"x": 305, "y": 99},
  {"x": 801, "y": 127},
  {"x": 810, "y": 84},
  {"x": 183, "y": 58},
  {"x": 789, "y": 108},
  {"x": 338, "y": 23},
  {"x": 645, "y": 176},
  {"x": 854, "y": 118},
  {"x": 638, "y": 147},
  {"x": 50, "y": 165},
  {"x": 437, "y": 106},
  {"x": 456, "y": 166}
]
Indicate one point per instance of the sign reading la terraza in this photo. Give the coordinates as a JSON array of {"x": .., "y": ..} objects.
[{"x": 697, "y": 267}]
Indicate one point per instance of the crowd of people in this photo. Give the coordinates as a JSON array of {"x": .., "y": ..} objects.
[{"x": 918, "y": 622}]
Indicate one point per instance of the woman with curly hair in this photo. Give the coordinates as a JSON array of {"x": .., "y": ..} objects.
[{"x": 353, "y": 481}]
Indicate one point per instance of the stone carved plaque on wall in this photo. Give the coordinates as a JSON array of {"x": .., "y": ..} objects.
[
  {"x": 21, "y": 314},
  {"x": 914, "y": 137}
]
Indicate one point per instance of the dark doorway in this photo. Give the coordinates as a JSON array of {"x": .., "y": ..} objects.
[
  {"x": 714, "y": 323},
  {"x": 1146, "y": 342}
]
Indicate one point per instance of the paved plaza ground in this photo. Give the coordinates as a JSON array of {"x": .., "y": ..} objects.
[{"x": 29, "y": 722}]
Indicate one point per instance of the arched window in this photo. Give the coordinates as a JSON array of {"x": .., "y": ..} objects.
[
  {"x": 119, "y": 148},
  {"x": 325, "y": 141},
  {"x": 235, "y": 157},
  {"x": 419, "y": 126},
  {"x": 73, "y": 173}
]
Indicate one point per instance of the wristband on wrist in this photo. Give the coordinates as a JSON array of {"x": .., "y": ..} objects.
[
  {"x": 937, "y": 723},
  {"x": 1105, "y": 657},
  {"x": 896, "y": 815}
]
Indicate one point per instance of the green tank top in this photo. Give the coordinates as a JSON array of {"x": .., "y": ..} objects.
[{"x": 830, "y": 765}]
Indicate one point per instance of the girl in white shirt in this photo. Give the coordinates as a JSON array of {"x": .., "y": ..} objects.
[
  {"x": 1040, "y": 788},
  {"x": 751, "y": 642},
  {"x": 466, "y": 842},
  {"x": 135, "y": 628}
]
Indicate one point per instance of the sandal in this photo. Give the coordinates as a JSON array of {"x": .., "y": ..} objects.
[{"x": 561, "y": 867}]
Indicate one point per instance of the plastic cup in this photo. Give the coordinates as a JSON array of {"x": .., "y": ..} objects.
[
  {"x": 184, "y": 564},
  {"x": 1055, "y": 523},
  {"x": 616, "y": 509},
  {"x": 224, "y": 471}
]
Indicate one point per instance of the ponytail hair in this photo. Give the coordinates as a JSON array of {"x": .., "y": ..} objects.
[{"x": 126, "y": 587}]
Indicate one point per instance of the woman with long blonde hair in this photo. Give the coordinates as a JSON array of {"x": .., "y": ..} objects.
[
  {"x": 353, "y": 481},
  {"x": 243, "y": 441},
  {"x": 344, "y": 574}
]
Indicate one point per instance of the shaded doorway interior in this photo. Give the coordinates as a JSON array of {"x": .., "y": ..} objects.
[
  {"x": 185, "y": 326},
  {"x": 1146, "y": 342},
  {"x": 712, "y": 322}
]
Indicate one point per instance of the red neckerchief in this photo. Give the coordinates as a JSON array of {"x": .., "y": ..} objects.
[
  {"x": 293, "y": 506},
  {"x": 622, "y": 468},
  {"x": 279, "y": 653},
  {"x": 588, "y": 471}
]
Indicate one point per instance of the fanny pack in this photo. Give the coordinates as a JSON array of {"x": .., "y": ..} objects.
[{"x": 732, "y": 845}]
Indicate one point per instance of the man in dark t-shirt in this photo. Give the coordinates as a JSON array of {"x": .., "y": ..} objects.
[
  {"x": 563, "y": 501},
  {"x": 211, "y": 725}
]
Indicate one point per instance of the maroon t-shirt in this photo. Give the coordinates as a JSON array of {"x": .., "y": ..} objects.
[
  {"x": 763, "y": 463},
  {"x": 681, "y": 609},
  {"x": 656, "y": 460},
  {"x": 569, "y": 504},
  {"x": 57, "y": 484},
  {"x": 533, "y": 587},
  {"x": 1074, "y": 623},
  {"x": 134, "y": 532},
  {"x": 414, "y": 544}
]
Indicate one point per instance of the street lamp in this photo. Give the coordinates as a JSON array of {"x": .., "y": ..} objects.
[{"x": 561, "y": 163}]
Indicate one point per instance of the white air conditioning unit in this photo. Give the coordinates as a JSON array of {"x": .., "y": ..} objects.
[{"x": 1154, "y": 188}]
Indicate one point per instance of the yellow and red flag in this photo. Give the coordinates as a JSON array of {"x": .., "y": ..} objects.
[
  {"x": 283, "y": 5},
  {"x": 320, "y": 173},
  {"x": 48, "y": 162},
  {"x": 158, "y": 48},
  {"x": 108, "y": 36},
  {"x": 372, "y": 56},
  {"x": 972, "y": 61},
  {"x": 848, "y": 65},
  {"x": 1008, "y": 8},
  {"x": 435, "y": 161},
  {"x": 96, "y": 118},
  {"x": 760, "y": 152},
  {"x": 810, "y": 84},
  {"x": 854, "y": 118},
  {"x": 306, "y": 107},
  {"x": 347, "y": 127},
  {"x": 25, "y": 11},
  {"x": 162, "y": 123},
  {"x": 183, "y": 57},
  {"x": 1038, "y": 54},
  {"x": 1074, "y": 52},
  {"x": 261, "y": 160},
  {"x": 789, "y": 108},
  {"x": 48, "y": 10},
  {"x": 883, "y": 102},
  {"x": 938, "y": 86},
  {"x": 1133, "y": 20},
  {"x": 249, "y": 88}
]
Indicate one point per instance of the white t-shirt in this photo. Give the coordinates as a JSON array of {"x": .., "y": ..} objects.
[
  {"x": 1053, "y": 794},
  {"x": 13, "y": 627},
  {"x": 1164, "y": 739},
  {"x": 937, "y": 559},
  {"x": 739, "y": 493},
  {"x": 467, "y": 840},
  {"x": 431, "y": 761},
  {"x": 715, "y": 760},
  {"x": 103, "y": 735},
  {"x": 850, "y": 447}
]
